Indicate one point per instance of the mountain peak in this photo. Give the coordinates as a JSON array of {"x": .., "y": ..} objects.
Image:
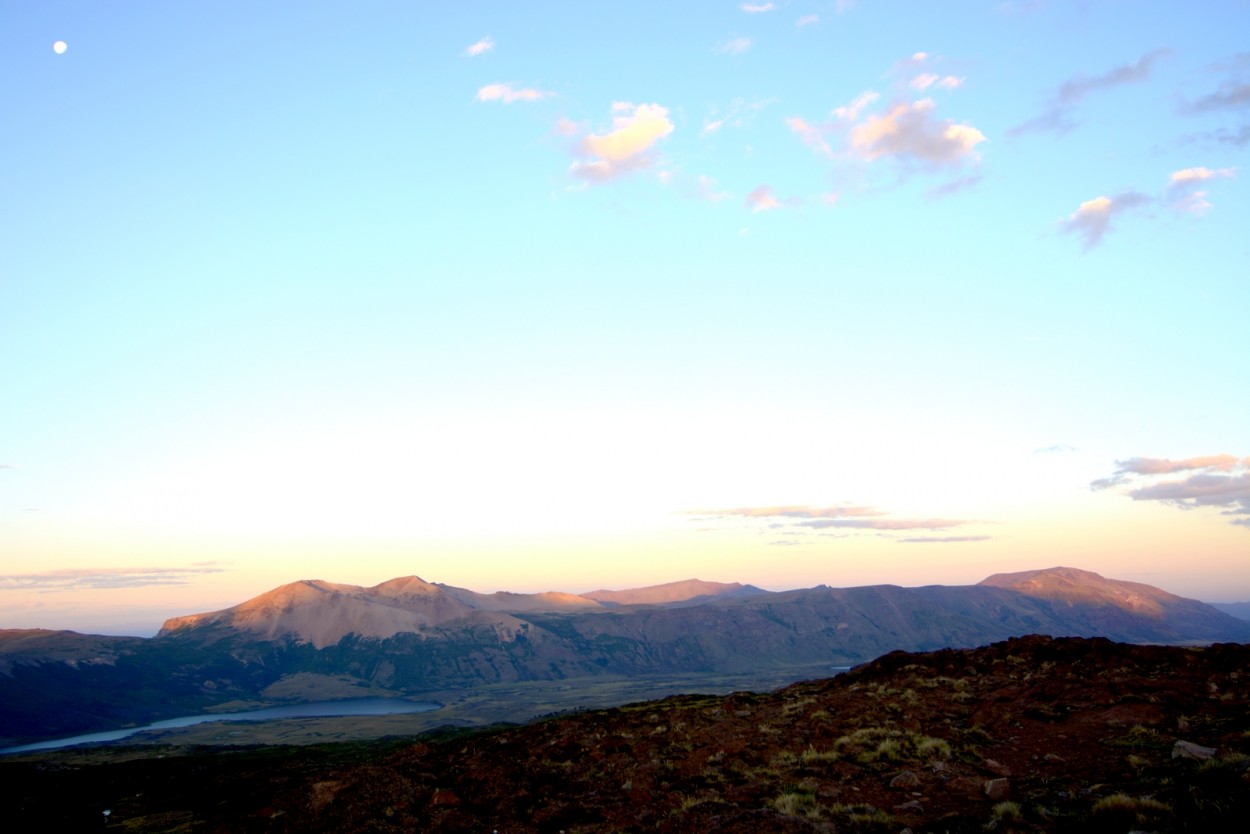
[
  {"x": 670, "y": 592},
  {"x": 1076, "y": 585}
]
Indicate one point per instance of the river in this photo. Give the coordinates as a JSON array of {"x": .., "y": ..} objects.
[{"x": 319, "y": 709}]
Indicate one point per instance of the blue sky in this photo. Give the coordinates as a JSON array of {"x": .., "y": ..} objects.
[{"x": 543, "y": 296}]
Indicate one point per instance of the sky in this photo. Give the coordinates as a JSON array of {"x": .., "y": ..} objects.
[{"x": 555, "y": 296}]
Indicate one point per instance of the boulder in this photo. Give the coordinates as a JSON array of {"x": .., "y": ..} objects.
[
  {"x": 997, "y": 790},
  {"x": 1189, "y": 750}
]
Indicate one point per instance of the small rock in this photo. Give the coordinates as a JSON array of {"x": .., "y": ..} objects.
[
  {"x": 444, "y": 797},
  {"x": 1189, "y": 750},
  {"x": 965, "y": 785},
  {"x": 1053, "y": 759},
  {"x": 997, "y": 790},
  {"x": 997, "y": 768},
  {"x": 906, "y": 779},
  {"x": 910, "y": 807}
]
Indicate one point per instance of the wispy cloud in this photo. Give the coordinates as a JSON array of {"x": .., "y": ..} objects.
[
  {"x": 635, "y": 130},
  {"x": 735, "y": 46},
  {"x": 508, "y": 93},
  {"x": 1230, "y": 99},
  {"x": 812, "y": 135},
  {"x": 701, "y": 187},
  {"x": 1092, "y": 219},
  {"x": 930, "y": 79},
  {"x": 486, "y": 44},
  {"x": 847, "y": 518},
  {"x": 739, "y": 113},
  {"x": 762, "y": 198},
  {"x": 1079, "y": 86},
  {"x": 943, "y": 539},
  {"x": 1230, "y": 96},
  {"x": 807, "y": 20},
  {"x": 757, "y": 8},
  {"x": 104, "y": 578},
  {"x": 705, "y": 189},
  {"x": 850, "y": 112},
  {"x": 1057, "y": 116},
  {"x": 794, "y": 511},
  {"x": 1185, "y": 192},
  {"x": 954, "y": 186},
  {"x": 1212, "y": 481},
  {"x": 884, "y": 523}
]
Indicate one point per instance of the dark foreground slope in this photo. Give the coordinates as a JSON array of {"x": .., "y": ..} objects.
[{"x": 1032, "y": 734}]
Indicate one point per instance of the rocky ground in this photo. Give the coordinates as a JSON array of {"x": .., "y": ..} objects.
[{"x": 1033, "y": 734}]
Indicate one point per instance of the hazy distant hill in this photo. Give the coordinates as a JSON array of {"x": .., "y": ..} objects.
[
  {"x": 689, "y": 590},
  {"x": 1240, "y": 610},
  {"x": 410, "y": 636}
]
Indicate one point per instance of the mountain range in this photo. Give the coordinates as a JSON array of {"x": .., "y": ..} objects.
[{"x": 407, "y": 636}]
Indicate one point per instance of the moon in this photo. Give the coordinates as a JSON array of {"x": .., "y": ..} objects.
[{"x": 59, "y": 47}]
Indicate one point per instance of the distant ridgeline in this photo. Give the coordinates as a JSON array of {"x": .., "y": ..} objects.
[{"x": 408, "y": 636}]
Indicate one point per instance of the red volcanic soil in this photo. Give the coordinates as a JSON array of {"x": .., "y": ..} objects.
[{"x": 1033, "y": 734}]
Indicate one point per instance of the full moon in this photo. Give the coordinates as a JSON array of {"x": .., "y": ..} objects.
[{"x": 59, "y": 47}]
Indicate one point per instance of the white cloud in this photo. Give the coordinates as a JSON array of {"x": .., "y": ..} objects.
[
  {"x": 757, "y": 8},
  {"x": 1184, "y": 191},
  {"x": 913, "y": 132},
  {"x": 508, "y": 94},
  {"x": 1092, "y": 219},
  {"x": 635, "y": 129},
  {"x": 807, "y": 20},
  {"x": 1188, "y": 175},
  {"x": 483, "y": 46}
]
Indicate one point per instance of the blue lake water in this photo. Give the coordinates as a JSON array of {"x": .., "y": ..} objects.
[{"x": 320, "y": 709}]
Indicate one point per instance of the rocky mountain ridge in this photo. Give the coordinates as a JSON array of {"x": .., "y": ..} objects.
[
  {"x": 407, "y": 637},
  {"x": 324, "y": 613}
]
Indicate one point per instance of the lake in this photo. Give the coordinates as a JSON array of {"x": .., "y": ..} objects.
[{"x": 319, "y": 709}]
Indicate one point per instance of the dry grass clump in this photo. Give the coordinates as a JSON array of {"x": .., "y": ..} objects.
[
  {"x": 1122, "y": 809},
  {"x": 797, "y": 804},
  {"x": 881, "y": 744}
]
